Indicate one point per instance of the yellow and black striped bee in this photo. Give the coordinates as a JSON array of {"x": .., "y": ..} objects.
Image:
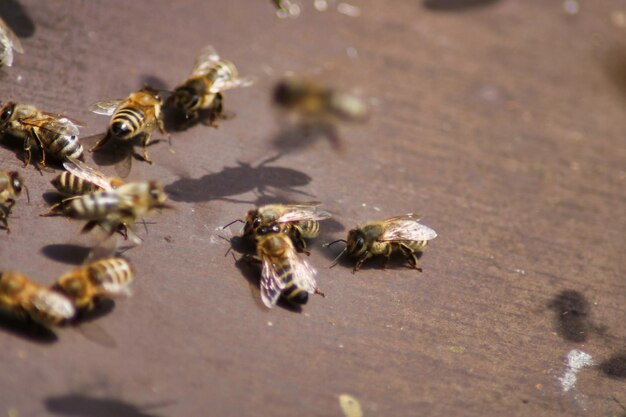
[
  {"x": 402, "y": 234},
  {"x": 117, "y": 209},
  {"x": 299, "y": 221},
  {"x": 210, "y": 76},
  {"x": 80, "y": 179},
  {"x": 8, "y": 42},
  {"x": 103, "y": 278},
  {"x": 55, "y": 135},
  {"x": 138, "y": 115},
  {"x": 10, "y": 188},
  {"x": 24, "y": 298},
  {"x": 284, "y": 273}
]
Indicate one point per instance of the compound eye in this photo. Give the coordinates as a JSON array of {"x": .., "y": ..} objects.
[
  {"x": 6, "y": 114},
  {"x": 359, "y": 244},
  {"x": 263, "y": 230},
  {"x": 257, "y": 222},
  {"x": 17, "y": 185},
  {"x": 154, "y": 193}
]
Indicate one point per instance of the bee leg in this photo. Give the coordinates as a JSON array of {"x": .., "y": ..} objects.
[
  {"x": 410, "y": 256},
  {"x": 4, "y": 219},
  {"x": 362, "y": 259},
  {"x": 43, "y": 152},
  {"x": 300, "y": 243},
  {"x": 27, "y": 147},
  {"x": 164, "y": 132},
  {"x": 145, "y": 141},
  {"x": 319, "y": 292}
]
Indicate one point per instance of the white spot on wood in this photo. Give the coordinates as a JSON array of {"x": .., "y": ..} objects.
[
  {"x": 576, "y": 360},
  {"x": 348, "y": 10},
  {"x": 571, "y": 7}
]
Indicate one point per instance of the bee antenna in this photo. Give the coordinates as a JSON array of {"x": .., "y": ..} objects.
[
  {"x": 233, "y": 222},
  {"x": 327, "y": 245},
  {"x": 27, "y": 193},
  {"x": 336, "y": 260}
]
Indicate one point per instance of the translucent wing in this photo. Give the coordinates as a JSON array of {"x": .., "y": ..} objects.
[
  {"x": 272, "y": 284},
  {"x": 106, "y": 107},
  {"x": 11, "y": 36},
  {"x": 205, "y": 59},
  {"x": 59, "y": 125},
  {"x": 82, "y": 170},
  {"x": 406, "y": 227},
  {"x": 303, "y": 211},
  {"x": 219, "y": 86},
  {"x": 303, "y": 273},
  {"x": 116, "y": 288},
  {"x": 123, "y": 166}
]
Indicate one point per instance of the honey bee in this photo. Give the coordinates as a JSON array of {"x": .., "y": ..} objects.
[
  {"x": 103, "y": 278},
  {"x": 284, "y": 273},
  {"x": 299, "y": 221},
  {"x": 210, "y": 76},
  {"x": 56, "y": 135},
  {"x": 80, "y": 179},
  {"x": 117, "y": 209},
  {"x": 312, "y": 102},
  {"x": 401, "y": 233},
  {"x": 10, "y": 188},
  {"x": 24, "y": 298},
  {"x": 138, "y": 115},
  {"x": 8, "y": 42}
]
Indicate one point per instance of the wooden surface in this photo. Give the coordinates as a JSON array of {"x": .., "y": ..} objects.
[{"x": 501, "y": 121}]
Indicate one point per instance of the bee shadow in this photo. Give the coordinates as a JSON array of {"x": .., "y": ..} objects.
[
  {"x": 103, "y": 307},
  {"x": 232, "y": 181},
  {"x": 571, "y": 315},
  {"x": 16, "y": 145},
  {"x": 615, "y": 67},
  {"x": 13, "y": 13},
  {"x": 615, "y": 366},
  {"x": 456, "y": 5},
  {"x": 82, "y": 405},
  {"x": 27, "y": 329},
  {"x": 302, "y": 136},
  {"x": 66, "y": 253}
]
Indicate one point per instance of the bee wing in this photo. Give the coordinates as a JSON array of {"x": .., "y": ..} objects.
[
  {"x": 123, "y": 166},
  {"x": 106, "y": 107},
  {"x": 271, "y": 283},
  {"x": 303, "y": 211},
  {"x": 234, "y": 83},
  {"x": 84, "y": 171},
  {"x": 57, "y": 124},
  {"x": 205, "y": 59},
  {"x": 303, "y": 273},
  {"x": 406, "y": 227},
  {"x": 11, "y": 36},
  {"x": 115, "y": 288}
]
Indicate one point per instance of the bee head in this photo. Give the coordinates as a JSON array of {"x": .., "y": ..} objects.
[
  {"x": 283, "y": 93},
  {"x": 253, "y": 221},
  {"x": 356, "y": 243},
  {"x": 6, "y": 112},
  {"x": 157, "y": 194},
  {"x": 185, "y": 99},
  {"x": 16, "y": 181}
]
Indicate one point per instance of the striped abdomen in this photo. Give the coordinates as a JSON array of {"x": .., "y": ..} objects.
[
  {"x": 93, "y": 206},
  {"x": 71, "y": 185},
  {"x": 59, "y": 145},
  {"x": 414, "y": 245},
  {"x": 284, "y": 272},
  {"x": 308, "y": 228},
  {"x": 127, "y": 122},
  {"x": 112, "y": 275}
]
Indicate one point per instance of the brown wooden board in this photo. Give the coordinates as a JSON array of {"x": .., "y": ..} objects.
[{"x": 502, "y": 122}]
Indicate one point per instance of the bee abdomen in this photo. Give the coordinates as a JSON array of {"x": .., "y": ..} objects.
[
  {"x": 61, "y": 146},
  {"x": 95, "y": 205},
  {"x": 309, "y": 228},
  {"x": 70, "y": 184},
  {"x": 111, "y": 271},
  {"x": 126, "y": 122},
  {"x": 49, "y": 308},
  {"x": 295, "y": 294},
  {"x": 415, "y": 245}
]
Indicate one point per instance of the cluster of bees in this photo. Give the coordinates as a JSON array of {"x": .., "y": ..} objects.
[{"x": 279, "y": 231}]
